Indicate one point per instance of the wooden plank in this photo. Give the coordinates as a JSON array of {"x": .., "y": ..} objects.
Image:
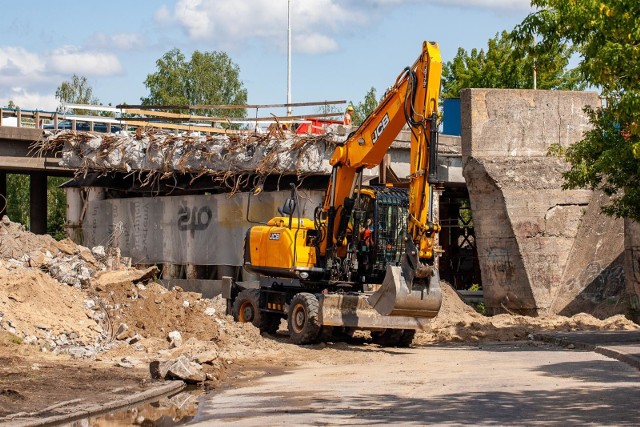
[
  {"x": 281, "y": 119},
  {"x": 163, "y": 114},
  {"x": 230, "y": 107},
  {"x": 178, "y": 127}
]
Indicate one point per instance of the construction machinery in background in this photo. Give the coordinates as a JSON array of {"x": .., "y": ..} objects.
[{"x": 368, "y": 258}]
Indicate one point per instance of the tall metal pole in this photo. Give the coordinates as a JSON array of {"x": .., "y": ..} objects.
[
  {"x": 535, "y": 58},
  {"x": 289, "y": 57}
]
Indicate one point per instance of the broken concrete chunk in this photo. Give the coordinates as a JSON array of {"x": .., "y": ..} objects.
[
  {"x": 134, "y": 339},
  {"x": 175, "y": 339},
  {"x": 122, "y": 332},
  {"x": 189, "y": 372},
  {"x": 207, "y": 357},
  {"x": 98, "y": 252},
  {"x": 158, "y": 369}
]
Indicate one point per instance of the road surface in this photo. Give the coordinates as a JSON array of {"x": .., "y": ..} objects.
[{"x": 524, "y": 383}]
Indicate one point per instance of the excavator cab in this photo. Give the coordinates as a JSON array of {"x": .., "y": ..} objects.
[{"x": 384, "y": 256}]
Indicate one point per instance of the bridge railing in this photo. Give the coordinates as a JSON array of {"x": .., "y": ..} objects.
[{"x": 132, "y": 117}]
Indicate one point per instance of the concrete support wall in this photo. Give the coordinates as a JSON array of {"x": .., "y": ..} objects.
[
  {"x": 632, "y": 267},
  {"x": 38, "y": 202},
  {"x": 542, "y": 250},
  {"x": 3, "y": 193}
]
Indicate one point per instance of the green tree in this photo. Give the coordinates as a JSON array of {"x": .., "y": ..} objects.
[
  {"x": 508, "y": 62},
  {"x": 76, "y": 91},
  {"x": 18, "y": 203},
  {"x": 56, "y": 208},
  {"x": 12, "y": 105},
  {"x": 365, "y": 107},
  {"x": 607, "y": 36},
  {"x": 18, "y": 198},
  {"x": 208, "y": 78}
]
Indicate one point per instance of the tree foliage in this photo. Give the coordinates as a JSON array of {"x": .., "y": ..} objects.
[
  {"x": 607, "y": 36},
  {"x": 75, "y": 91},
  {"x": 365, "y": 107},
  {"x": 508, "y": 62},
  {"x": 208, "y": 78},
  {"x": 18, "y": 198}
]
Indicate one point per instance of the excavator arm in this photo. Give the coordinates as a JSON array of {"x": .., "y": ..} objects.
[{"x": 413, "y": 100}]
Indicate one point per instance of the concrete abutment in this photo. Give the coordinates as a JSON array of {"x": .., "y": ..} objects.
[{"x": 542, "y": 249}]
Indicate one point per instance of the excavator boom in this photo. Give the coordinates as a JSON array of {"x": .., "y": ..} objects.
[{"x": 411, "y": 289}]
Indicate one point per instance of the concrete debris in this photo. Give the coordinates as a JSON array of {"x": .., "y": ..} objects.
[
  {"x": 163, "y": 153},
  {"x": 122, "y": 332},
  {"x": 158, "y": 369},
  {"x": 186, "y": 370},
  {"x": 99, "y": 252},
  {"x": 175, "y": 339},
  {"x": 206, "y": 357}
]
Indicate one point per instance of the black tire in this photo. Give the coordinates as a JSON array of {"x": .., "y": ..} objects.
[
  {"x": 246, "y": 309},
  {"x": 303, "y": 319},
  {"x": 327, "y": 333},
  {"x": 387, "y": 337},
  {"x": 407, "y": 338}
]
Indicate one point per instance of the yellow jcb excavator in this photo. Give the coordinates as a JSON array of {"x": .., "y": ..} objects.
[{"x": 367, "y": 259}]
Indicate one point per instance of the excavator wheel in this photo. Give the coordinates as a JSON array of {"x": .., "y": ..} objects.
[
  {"x": 246, "y": 309},
  {"x": 304, "y": 321},
  {"x": 393, "y": 337}
]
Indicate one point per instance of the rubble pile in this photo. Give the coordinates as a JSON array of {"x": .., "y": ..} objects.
[
  {"x": 62, "y": 298},
  {"x": 164, "y": 154}
]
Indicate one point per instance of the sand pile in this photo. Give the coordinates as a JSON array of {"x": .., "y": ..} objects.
[
  {"x": 40, "y": 310},
  {"x": 458, "y": 322}
]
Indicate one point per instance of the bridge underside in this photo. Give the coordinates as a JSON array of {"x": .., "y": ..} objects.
[{"x": 17, "y": 157}]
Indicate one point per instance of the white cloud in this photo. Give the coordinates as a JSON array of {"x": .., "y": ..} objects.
[
  {"x": 30, "y": 79},
  {"x": 30, "y": 100},
  {"x": 234, "y": 22},
  {"x": 18, "y": 61},
  {"x": 163, "y": 15},
  {"x": 489, "y": 4},
  {"x": 119, "y": 41},
  {"x": 71, "y": 60},
  {"x": 315, "y": 43},
  {"x": 316, "y": 24}
]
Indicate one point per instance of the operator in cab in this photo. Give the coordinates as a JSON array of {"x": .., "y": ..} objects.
[{"x": 347, "y": 120}]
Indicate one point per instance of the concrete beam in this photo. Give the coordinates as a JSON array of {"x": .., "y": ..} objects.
[{"x": 16, "y": 155}]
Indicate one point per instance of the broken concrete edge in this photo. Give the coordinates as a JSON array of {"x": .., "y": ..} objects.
[
  {"x": 97, "y": 409},
  {"x": 605, "y": 351}
]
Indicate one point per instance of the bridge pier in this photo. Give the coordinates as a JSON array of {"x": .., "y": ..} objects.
[
  {"x": 3, "y": 193},
  {"x": 38, "y": 202}
]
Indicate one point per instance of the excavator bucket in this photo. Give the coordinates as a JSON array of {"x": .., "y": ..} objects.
[{"x": 397, "y": 297}]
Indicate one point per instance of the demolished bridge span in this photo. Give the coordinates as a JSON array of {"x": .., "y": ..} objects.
[{"x": 160, "y": 154}]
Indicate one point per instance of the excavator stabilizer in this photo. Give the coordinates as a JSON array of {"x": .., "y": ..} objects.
[{"x": 396, "y": 297}]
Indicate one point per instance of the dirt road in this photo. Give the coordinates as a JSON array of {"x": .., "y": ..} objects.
[{"x": 494, "y": 383}]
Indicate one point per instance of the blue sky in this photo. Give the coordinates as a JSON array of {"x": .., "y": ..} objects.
[{"x": 341, "y": 48}]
